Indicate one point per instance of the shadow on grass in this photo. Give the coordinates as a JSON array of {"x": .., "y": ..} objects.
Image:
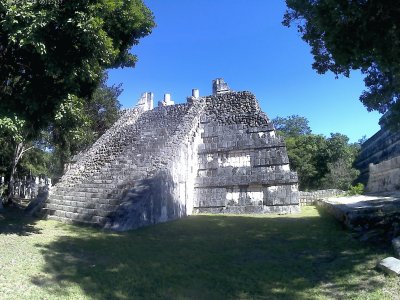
[
  {"x": 213, "y": 257},
  {"x": 13, "y": 220}
]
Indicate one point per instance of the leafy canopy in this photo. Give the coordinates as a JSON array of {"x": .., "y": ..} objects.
[
  {"x": 348, "y": 35},
  {"x": 320, "y": 162},
  {"x": 51, "y": 51},
  {"x": 292, "y": 126},
  {"x": 80, "y": 122}
]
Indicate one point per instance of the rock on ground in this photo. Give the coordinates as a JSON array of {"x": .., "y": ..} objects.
[{"x": 390, "y": 265}]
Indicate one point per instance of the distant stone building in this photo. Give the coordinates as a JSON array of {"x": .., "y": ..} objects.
[
  {"x": 379, "y": 161},
  {"x": 213, "y": 154}
]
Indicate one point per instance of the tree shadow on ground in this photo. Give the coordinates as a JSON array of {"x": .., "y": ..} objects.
[
  {"x": 214, "y": 257},
  {"x": 13, "y": 220}
]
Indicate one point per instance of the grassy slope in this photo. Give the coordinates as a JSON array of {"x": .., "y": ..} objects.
[{"x": 302, "y": 256}]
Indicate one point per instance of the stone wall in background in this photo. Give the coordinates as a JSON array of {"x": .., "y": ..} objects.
[
  {"x": 385, "y": 176},
  {"x": 215, "y": 154},
  {"x": 377, "y": 162},
  {"x": 309, "y": 198}
]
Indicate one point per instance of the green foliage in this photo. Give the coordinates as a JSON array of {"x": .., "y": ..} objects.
[
  {"x": 308, "y": 156},
  {"x": 51, "y": 51},
  {"x": 14, "y": 128},
  {"x": 13, "y": 134},
  {"x": 35, "y": 162},
  {"x": 357, "y": 189},
  {"x": 103, "y": 108},
  {"x": 349, "y": 35},
  {"x": 6, "y": 154},
  {"x": 292, "y": 126},
  {"x": 341, "y": 156},
  {"x": 80, "y": 122},
  {"x": 320, "y": 162}
]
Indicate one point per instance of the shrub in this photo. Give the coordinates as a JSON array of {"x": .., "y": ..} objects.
[{"x": 357, "y": 189}]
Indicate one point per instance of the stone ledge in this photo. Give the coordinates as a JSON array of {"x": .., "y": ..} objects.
[
  {"x": 374, "y": 217},
  {"x": 244, "y": 148},
  {"x": 285, "y": 179},
  {"x": 275, "y": 209}
]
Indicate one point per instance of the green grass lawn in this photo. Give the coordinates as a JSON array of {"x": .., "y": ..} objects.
[{"x": 304, "y": 256}]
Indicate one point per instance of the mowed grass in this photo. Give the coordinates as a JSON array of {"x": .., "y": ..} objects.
[{"x": 304, "y": 256}]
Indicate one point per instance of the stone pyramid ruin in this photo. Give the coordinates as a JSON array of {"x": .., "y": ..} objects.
[{"x": 213, "y": 154}]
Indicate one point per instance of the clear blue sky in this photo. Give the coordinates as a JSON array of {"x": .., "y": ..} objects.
[{"x": 244, "y": 42}]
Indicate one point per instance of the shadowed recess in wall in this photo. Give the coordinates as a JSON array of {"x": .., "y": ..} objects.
[{"x": 146, "y": 202}]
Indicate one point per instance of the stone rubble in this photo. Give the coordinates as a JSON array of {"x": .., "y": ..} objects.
[{"x": 214, "y": 154}]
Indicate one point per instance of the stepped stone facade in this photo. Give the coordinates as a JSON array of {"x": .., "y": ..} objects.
[
  {"x": 379, "y": 161},
  {"x": 214, "y": 154}
]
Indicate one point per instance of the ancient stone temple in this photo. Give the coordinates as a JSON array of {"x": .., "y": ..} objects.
[
  {"x": 213, "y": 154},
  {"x": 379, "y": 160}
]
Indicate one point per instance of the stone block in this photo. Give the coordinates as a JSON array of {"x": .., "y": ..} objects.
[{"x": 390, "y": 265}]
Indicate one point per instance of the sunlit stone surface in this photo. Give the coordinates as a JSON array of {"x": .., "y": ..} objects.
[{"x": 213, "y": 154}]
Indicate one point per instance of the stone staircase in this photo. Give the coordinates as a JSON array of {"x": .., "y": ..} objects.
[{"x": 139, "y": 147}]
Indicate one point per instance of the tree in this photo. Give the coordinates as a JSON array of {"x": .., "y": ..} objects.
[
  {"x": 53, "y": 54},
  {"x": 36, "y": 162},
  {"x": 77, "y": 125},
  {"x": 341, "y": 156},
  {"x": 16, "y": 135},
  {"x": 81, "y": 122},
  {"x": 6, "y": 152},
  {"x": 320, "y": 162},
  {"x": 53, "y": 50},
  {"x": 103, "y": 108},
  {"x": 350, "y": 35},
  {"x": 292, "y": 126},
  {"x": 307, "y": 156}
]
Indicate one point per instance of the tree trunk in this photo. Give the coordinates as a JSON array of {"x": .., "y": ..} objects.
[{"x": 18, "y": 153}]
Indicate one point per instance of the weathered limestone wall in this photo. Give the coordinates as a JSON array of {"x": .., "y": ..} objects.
[
  {"x": 243, "y": 166},
  {"x": 382, "y": 146},
  {"x": 385, "y": 176},
  {"x": 161, "y": 190},
  {"x": 212, "y": 154}
]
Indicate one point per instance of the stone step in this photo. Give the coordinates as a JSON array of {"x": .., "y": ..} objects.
[
  {"x": 85, "y": 218},
  {"x": 72, "y": 221},
  {"x": 98, "y": 204},
  {"x": 102, "y": 212},
  {"x": 82, "y": 202},
  {"x": 84, "y": 190},
  {"x": 123, "y": 175}
]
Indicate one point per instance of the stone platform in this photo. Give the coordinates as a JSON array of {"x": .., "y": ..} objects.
[
  {"x": 377, "y": 213},
  {"x": 213, "y": 154}
]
